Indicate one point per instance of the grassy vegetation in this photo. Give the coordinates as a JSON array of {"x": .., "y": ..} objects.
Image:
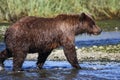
[
  {"x": 109, "y": 25},
  {"x": 11, "y": 10}
]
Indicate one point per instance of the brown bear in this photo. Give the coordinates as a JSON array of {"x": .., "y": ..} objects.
[{"x": 38, "y": 34}]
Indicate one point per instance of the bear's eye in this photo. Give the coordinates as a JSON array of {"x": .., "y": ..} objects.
[
  {"x": 92, "y": 25},
  {"x": 92, "y": 22}
]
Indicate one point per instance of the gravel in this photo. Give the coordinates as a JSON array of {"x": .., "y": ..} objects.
[{"x": 82, "y": 55}]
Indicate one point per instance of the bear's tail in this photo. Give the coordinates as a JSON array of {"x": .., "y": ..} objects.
[{"x": 4, "y": 55}]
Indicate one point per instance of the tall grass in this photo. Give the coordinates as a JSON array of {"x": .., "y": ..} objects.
[{"x": 11, "y": 10}]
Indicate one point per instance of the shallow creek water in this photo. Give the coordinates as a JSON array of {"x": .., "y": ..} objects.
[
  {"x": 61, "y": 70},
  {"x": 105, "y": 38}
]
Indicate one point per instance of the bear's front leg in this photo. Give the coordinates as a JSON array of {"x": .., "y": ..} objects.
[{"x": 70, "y": 53}]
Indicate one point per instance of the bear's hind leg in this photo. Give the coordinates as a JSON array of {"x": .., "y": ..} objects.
[
  {"x": 42, "y": 58},
  {"x": 18, "y": 59}
]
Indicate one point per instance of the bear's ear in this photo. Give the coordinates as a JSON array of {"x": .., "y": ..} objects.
[{"x": 82, "y": 16}]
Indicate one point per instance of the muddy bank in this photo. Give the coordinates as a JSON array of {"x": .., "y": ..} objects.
[{"x": 82, "y": 56}]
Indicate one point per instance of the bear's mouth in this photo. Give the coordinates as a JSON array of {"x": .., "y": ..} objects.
[
  {"x": 93, "y": 33},
  {"x": 96, "y": 33}
]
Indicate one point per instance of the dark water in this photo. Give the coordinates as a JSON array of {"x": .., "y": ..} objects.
[{"x": 61, "y": 70}]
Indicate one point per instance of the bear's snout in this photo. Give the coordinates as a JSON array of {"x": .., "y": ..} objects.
[{"x": 97, "y": 30}]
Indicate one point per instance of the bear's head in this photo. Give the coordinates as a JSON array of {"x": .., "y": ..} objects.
[{"x": 87, "y": 25}]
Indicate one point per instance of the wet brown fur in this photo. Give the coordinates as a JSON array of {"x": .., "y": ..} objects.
[{"x": 37, "y": 34}]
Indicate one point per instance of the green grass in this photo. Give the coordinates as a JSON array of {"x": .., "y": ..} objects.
[
  {"x": 11, "y": 10},
  {"x": 109, "y": 25},
  {"x": 3, "y": 28}
]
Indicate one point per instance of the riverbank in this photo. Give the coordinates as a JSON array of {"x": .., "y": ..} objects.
[
  {"x": 84, "y": 54},
  {"x": 58, "y": 55},
  {"x": 12, "y": 10}
]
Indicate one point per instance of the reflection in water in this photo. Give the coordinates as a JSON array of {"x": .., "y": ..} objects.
[
  {"x": 45, "y": 74},
  {"x": 89, "y": 71}
]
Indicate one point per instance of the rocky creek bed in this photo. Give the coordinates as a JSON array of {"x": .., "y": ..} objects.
[{"x": 102, "y": 53}]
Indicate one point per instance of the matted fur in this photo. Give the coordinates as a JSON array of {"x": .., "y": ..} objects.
[{"x": 37, "y": 34}]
